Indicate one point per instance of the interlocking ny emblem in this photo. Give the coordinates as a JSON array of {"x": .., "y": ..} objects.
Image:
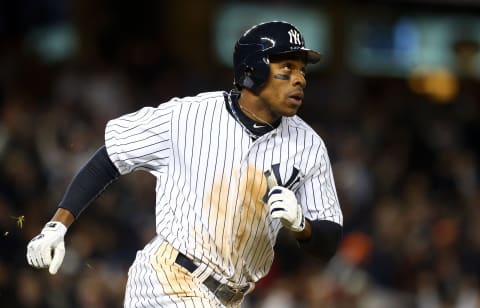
[{"x": 294, "y": 37}]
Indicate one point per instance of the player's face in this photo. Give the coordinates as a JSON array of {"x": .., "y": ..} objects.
[{"x": 283, "y": 94}]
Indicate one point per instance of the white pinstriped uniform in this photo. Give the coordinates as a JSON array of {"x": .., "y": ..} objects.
[{"x": 210, "y": 189}]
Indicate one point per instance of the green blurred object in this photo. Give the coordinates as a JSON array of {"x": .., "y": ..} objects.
[{"x": 53, "y": 43}]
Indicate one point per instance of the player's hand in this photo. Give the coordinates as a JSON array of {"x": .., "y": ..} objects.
[
  {"x": 48, "y": 248},
  {"x": 284, "y": 206}
]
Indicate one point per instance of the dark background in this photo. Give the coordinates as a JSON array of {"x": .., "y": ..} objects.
[{"x": 402, "y": 129}]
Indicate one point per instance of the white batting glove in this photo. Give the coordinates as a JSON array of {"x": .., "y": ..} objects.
[
  {"x": 40, "y": 248},
  {"x": 284, "y": 206}
]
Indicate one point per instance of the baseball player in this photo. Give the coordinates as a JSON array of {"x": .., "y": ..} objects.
[{"x": 232, "y": 169}]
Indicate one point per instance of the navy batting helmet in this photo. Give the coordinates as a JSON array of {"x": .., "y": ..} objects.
[{"x": 250, "y": 58}]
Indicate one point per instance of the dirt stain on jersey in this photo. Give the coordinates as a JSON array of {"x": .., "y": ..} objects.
[
  {"x": 253, "y": 211},
  {"x": 236, "y": 209}
]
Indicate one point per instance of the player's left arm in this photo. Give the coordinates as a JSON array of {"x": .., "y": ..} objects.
[
  {"x": 322, "y": 240},
  {"x": 312, "y": 213},
  {"x": 320, "y": 237},
  {"x": 318, "y": 200}
]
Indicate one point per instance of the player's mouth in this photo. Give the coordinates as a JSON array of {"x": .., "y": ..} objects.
[{"x": 296, "y": 98}]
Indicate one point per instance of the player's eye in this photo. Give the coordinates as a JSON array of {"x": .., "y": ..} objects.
[{"x": 287, "y": 67}]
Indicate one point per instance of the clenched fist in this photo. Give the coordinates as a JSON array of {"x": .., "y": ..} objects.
[
  {"x": 283, "y": 205},
  {"x": 48, "y": 248}
]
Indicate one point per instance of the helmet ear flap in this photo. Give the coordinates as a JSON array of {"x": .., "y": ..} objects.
[
  {"x": 247, "y": 81},
  {"x": 255, "y": 73},
  {"x": 243, "y": 78}
]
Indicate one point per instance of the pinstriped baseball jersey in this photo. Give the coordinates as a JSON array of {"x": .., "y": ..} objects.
[{"x": 211, "y": 187}]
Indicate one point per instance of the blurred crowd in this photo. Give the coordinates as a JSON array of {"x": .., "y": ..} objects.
[{"x": 407, "y": 171}]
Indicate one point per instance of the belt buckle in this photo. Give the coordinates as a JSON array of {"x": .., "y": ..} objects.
[{"x": 229, "y": 294}]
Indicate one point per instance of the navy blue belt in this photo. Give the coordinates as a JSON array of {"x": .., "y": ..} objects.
[{"x": 225, "y": 293}]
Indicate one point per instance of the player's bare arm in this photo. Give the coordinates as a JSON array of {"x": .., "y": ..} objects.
[
  {"x": 305, "y": 234},
  {"x": 64, "y": 216}
]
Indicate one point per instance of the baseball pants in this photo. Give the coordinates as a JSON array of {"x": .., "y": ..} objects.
[{"x": 156, "y": 280}]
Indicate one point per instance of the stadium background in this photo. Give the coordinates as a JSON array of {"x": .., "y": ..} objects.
[{"x": 396, "y": 99}]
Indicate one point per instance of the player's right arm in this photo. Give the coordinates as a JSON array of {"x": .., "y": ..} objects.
[
  {"x": 139, "y": 140},
  {"x": 47, "y": 249}
]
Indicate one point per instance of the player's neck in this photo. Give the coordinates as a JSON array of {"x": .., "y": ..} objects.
[{"x": 253, "y": 108}]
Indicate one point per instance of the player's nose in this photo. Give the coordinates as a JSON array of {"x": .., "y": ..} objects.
[{"x": 298, "y": 79}]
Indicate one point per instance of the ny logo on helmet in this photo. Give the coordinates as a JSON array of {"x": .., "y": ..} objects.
[{"x": 294, "y": 37}]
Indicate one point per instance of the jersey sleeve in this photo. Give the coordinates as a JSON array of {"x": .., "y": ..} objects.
[
  {"x": 140, "y": 140},
  {"x": 317, "y": 194}
]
